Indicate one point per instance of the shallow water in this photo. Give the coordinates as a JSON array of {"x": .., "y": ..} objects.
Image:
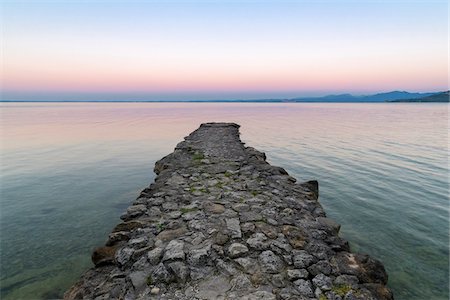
[{"x": 68, "y": 171}]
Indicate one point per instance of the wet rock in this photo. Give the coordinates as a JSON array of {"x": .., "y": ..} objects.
[
  {"x": 134, "y": 211},
  {"x": 104, "y": 255}
]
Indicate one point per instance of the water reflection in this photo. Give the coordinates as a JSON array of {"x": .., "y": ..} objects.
[{"x": 68, "y": 170}]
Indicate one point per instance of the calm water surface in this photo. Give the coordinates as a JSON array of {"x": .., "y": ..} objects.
[{"x": 69, "y": 170}]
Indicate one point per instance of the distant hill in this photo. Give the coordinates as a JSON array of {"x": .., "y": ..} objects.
[
  {"x": 381, "y": 97},
  {"x": 436, "y": 97}
]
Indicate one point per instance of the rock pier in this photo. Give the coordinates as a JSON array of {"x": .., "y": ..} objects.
[{"x": 219, "y": 222}]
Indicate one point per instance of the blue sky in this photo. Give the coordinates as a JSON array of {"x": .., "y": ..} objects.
[{"x": 154, "y": 50}]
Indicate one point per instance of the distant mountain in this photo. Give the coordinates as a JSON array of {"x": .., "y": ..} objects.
[
  {"x": 381, "y": 97},
  {"x": 436, "y": 97}
]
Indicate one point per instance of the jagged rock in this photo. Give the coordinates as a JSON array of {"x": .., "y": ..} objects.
[
  {"x": 103, "y": 255},
  {"x": 161, "y": 275},
  {"x": 179, "y": 270},
  {"x": 234, "y": 227},
  {"x": 199, "y": 257},
  {"x": 174, "y": 250},
  {"x": 219, "y": 222},
  {"x": 323, "y": 282},
  {"x": 138, "y": 279},
  {"x": 304, "y": 287},
  {"x": 295, "y": 235},
  {"x": 302, "y": 259},
  {"x": 258, "y": 241},
  {"x": 249, "y": 265},
  {"x": 322, "y": 266},
  {"x": 168, "y": 235},
  {"x": 270, "y": 262},
  {"x": 236, "y": 250},
  {"x": 155, "y": 255},
  {"x": 260, "y": 295},
  {"x": 294, "y": 274},
  {"x": 124, "y": 255}
]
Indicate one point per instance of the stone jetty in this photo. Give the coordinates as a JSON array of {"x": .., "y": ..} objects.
[{"x": 219, "y": 222}]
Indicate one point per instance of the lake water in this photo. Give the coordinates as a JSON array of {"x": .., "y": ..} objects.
[{"x": 68, "y": 170}]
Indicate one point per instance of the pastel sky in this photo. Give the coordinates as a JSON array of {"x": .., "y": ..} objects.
[{"x": 179, "y": 50}]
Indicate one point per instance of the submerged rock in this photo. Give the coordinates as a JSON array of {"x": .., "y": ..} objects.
[{"x": 219, "y": 222}]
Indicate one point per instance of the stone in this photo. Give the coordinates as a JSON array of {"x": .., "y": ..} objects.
[
  {"x": 346, "y": 280},
  {"x": 323, "y": 282},
  {"x": 249, "y": 265},
  {"x": 294, "y": 274},
  {"x": 260, "y": 295},
  {"x": 248, "y": 227},
  {"x": 154, "y": 256},
  {"x": 322, "y": 266},
  {"x": 161, "y": 275},
  {"x": 214, "y": 287},
  {"x": 103, "y": 255},
  {"x": 174, "y": 250},
  {"x": 234, "y": 227},
  {"x": 304, "y": 287},
  {"x": 258, "y": 241},
  {"x": 124, "y": 255},
  {"x": 295, "y": 235},
  {"x": 269, "y": 230},
  {"x": 215, "y": 208},
  {"x": 250, "y": 216},
  {"x": 138, "y": 242},
  {"x": 155, "y": 291},
  {"x": 226, "y": 267},
  {"x": 329, "y": 224},
  {"x": 199, "y": 257},
  {"x": 134, "y": 211},
  {"x": 302, "y": 259},
  {"x": 179, "y": 270},
  {"x": 236, "y": 250},
  {"x": 138, "y": 279},
  {"x": 220, "y": 238},
  {"x": 367, "y": 269},
  {"x": 167, "y": 235},
  {"x": 240, "y": 282},
  {"x": 278, "y": 280},
  {"x": 270, "y": 262}
]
